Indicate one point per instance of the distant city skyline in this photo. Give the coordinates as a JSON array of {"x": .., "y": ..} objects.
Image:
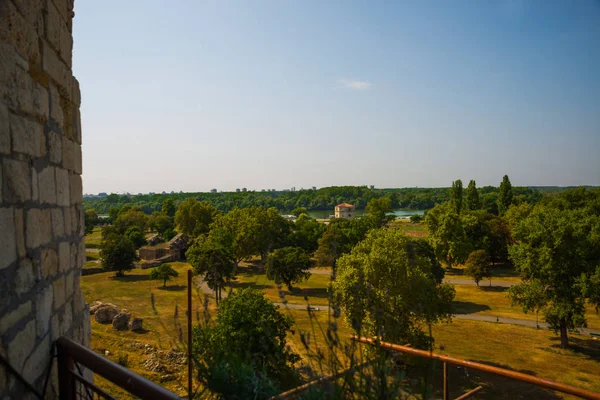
[{"x": 190, "y": 96}]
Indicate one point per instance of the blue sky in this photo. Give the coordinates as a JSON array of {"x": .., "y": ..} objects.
[{"x": 194, "y": 95}]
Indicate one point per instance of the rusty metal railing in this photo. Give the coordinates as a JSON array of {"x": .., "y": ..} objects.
[
  {"x": 73, "y": 385},
  {"x": 518, "y": 376}
]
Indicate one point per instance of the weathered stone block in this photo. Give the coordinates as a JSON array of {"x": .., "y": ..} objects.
[
  {"x": 17, "y": 31},
  {"x": 66, "y": 321},
  {"x": 59, "y": 292},
  {"x": 16, "y": 184},
  {"x": 4, "y": 130},
  {"x": 76, "y": 188},
  {"x": 35, "y": 187},
  {"x": 71, "y": 156},
  {"x": 81, "y": 257},
  {"x": 25, "y": 277},
  {"x": 38, "y": 228},
  {"x": 74, "y": 221},
  {"x": 75, "y": 93},
  {"x": 43, "y": 310},
  {"x": 68, "y": 224},
  {"x": 69, "y": 284},
  {"x": 55, "y": 67},
  {"x": 64, "y": 256},
  {"x": 49, "y": 263},
  {"x": 65, "y": 8},
  {"x": 20, "y": 232},
  {"x": 47, "y": 186},
  {"x": 56, "y": 111},
  {"x": 8, "y": 241},
  {"x": 12, "y": 318},
  {"x": 77, "y": 134},
  {"x": 27, "y": 136},
  {"x": 58, "y": 223},
  {"x": 22, "y": 345},
  {"x": 36, "y": 364},
  {"x": 62, "y": 190},
  {"x": 55, "y": 145},
  {"x": 74, "y": 254}
]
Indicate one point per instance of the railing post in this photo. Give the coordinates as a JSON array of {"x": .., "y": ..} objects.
[
  {"x": 446, "y": 394},
  {"x": 66, "y": 383}
]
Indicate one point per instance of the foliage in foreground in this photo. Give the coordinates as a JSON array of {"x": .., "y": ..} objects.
[{"x": 390, "y": 286}]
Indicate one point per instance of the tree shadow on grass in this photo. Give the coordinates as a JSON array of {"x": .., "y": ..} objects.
[
  {"x": 141, "y": 331},
  {"x": 468, "y": 307},
  {"x": 498, "y": 289},
  {"x": 588, "y": 347},
  {"x": 173, "y": 288},
  {"x": 129, "y": 278},
  {"x": 310, "y": 292},
  {"x": 244, "y": 285}
]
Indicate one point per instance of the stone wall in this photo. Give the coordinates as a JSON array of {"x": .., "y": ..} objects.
[{"x": 41, "y": 214}]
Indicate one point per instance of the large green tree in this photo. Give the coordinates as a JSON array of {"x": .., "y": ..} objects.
[
  {"x": 558, "y": 247},
  {"x": 213, "y": 261},
  {"x": 389, "y": 286},
  {"x": 90, "y": 220},
  {"x": 305, "y": 233},
  {"x": 531, "y": 296},
  {"x": 447, "y": 234},
  {"x": 245, "y": 352},
  {"x": 117, "y": 253},
  {"x": 456, "y": 195},
  {"x": 505, "y": 195},
  {"x": 472, "y": 195},
  {"x": 478, "y": 266},
  {"x": 378, "y": 208},
  {"x": 131, "y": 217},
  {"x": 168, "y": 207},
  {"x": 194, "y": 217},
  {"x": 288, "y": 265}
]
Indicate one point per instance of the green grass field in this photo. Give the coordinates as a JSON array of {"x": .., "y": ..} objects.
[{"x": 92, "y": 241}]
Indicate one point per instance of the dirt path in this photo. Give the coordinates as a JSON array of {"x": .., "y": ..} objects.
[{"x": 473, "y": 317}]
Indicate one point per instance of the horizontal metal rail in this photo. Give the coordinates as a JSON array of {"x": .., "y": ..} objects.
[
  {"x": 518, "y": 376},
  {"x": 470, "y": 393},
  {"x": 70, "y": 352}
]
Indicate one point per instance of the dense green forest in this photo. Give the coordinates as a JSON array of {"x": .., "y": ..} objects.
[{"x": 320, "y": 199}]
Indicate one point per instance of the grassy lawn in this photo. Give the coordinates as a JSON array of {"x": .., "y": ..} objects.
[
  {"x": 418, "y": 229},
  {"x": 495, "y": 302},
  {"x": 92, "y": 241},
  {"x": 522, "y": 349},
  {"x": 500, "y": 272},
  {"x": 315, "y": 288}
]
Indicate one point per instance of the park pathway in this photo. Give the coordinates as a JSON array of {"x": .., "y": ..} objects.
[{"x": 472, "y": 317}]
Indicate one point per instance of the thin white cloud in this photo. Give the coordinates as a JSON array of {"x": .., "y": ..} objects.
[{"x": 355, "y": 84}]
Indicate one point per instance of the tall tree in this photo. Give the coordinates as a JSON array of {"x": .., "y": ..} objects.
[
  {"x": 117, "y": 253},
  {"x": 387, "y": 286},
  {"x": 168, "y": 207},
  {"x": 288, "y": 265},
  {"x": 456, "y": 195},
  {"x": 505, "y": 195},
  {"x": 478, "y": 266},
  {"x": 558, "y": 248},
  {"x": 472, "y": 194},
  {"x": 379, "y": 208},
  {"x": 194, "y": 217},
  {"x": 90, "y": 219},
  {"x": 531, "y": 296},
  {"x": 213, "y": 262},
  {"x": 447, "y": 234}
]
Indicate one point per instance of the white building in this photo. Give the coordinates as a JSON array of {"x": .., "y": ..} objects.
[{"x": 345, "y": 210}]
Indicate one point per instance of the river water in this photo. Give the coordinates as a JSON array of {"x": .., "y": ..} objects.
[{"x": 398, "y": 213}]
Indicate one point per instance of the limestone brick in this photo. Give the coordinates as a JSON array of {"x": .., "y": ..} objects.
[
  {"x": 74, "y": 254},
  {"x": 35, "y": 185},
  {"x": 49, "y": 262},
  {"x": 38, "y": 228},
  {"x": 75, "y": 93},
  {"x": 56, "y": 111},
  {"x": 77, "y": 126},
  {"x": 64, "y": 256},
  {"x": 17, "y": 31},
  {"x": 74, "y": 221},
  {"x": 59, "y": 292},
  {"x": 81, "y": 257},
  {"x": 22, "y": 345},
  {"x": 4, "y": 130},
  {"x": 68, "y": 225},
  {"x": 16, "y": 184},
  {"x": 58, "y": 223},
  {"x": 55, "y": 67},
  {"x": 69, "y": 286},
  {"x": 66, "y": 321},
  {"x": 12, "y": 318},
  {"x": 47, "y": 186},
  {"x": 62, "y": 190},
  {"x": 76, "y": 188},
  {"x": 71, "y": 156},
  {"x": 37, "y": 362},
  {"x": 25, "y": 277},
  {"x": 43, "y": 310},
  {"x": 65, "y": 9},
  {"x": 8, "y": 243},
  {"x": 55, "y": 147},
  {"x": 20, "y": 232},
  {"x": 27, "y": 136}
]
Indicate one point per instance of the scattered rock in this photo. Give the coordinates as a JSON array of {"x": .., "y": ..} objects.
[
  {"x": 120, "y": 321},
  {"x": 153, "y": 364},
  {"x": 94, "y": 306},
  {"x": 105, "y": 313},
  {"x": 136, "y": 324},
  {"x": 167, "y": 378}
]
